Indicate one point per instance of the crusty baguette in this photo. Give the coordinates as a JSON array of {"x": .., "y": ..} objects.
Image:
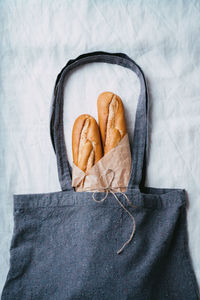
[
  {"x": 86, "y": 142},
  {"x": 111, "y": 120}
]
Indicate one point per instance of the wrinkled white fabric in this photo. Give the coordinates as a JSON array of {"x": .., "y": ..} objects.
[{"x": 37, "y": 40}]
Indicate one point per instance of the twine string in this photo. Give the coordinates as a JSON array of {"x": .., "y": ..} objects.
[{"x": 110, "y": 189}]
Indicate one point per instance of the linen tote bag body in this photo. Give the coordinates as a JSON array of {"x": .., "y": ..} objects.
[{"x": 64, "y": 244}]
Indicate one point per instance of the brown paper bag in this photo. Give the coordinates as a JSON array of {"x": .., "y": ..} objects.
[{"x": 112, "y": 170}]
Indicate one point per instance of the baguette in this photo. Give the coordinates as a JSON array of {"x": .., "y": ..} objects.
[
  {"x": 111, "y": 120},
  {"x": 86, "y": 142}
]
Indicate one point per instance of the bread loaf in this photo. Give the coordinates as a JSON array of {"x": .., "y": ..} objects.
[
  {"x": 111, "y": 120},
  {"x": 86, "y": 142}
]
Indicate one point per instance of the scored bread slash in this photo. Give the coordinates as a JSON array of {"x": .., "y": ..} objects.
[
  {"x": 86, "y": 142},
  {"x": 111, "y": 120}
]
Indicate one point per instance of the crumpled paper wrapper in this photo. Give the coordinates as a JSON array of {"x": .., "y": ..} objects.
[{"x": 112, "y": 170}]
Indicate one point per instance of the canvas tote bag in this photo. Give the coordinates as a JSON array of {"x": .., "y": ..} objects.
[{"x": 65, "y": 244}]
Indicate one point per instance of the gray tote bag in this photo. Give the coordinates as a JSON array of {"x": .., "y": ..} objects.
[{"x": 65, "y": 245}]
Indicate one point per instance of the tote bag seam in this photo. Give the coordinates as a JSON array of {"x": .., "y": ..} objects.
[{"x": 187, "y": 260}]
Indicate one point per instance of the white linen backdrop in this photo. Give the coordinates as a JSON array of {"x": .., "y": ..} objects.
[{"x": 37, "y": 40}]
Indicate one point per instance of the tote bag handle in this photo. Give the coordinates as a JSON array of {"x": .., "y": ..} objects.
[{"x": 140, "y": 137}]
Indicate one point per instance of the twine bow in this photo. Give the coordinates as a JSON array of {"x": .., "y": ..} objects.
[{"x": 111, "y": 189}]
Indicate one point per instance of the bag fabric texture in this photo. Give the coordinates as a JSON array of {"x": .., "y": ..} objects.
[{"x": 64, "y": 244}]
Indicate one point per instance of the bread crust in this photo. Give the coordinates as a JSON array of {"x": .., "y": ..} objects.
[
  {"x": 111, "y": 120},
  {"x": 86, "y": 142}
]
